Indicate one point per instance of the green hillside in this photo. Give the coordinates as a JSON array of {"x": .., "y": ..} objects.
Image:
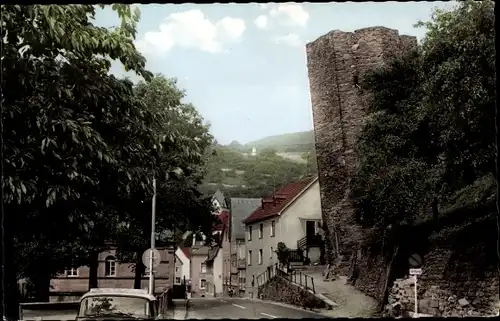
[
  {"x": 241, "y": 175},
  {"x": 291, "y": 142}
]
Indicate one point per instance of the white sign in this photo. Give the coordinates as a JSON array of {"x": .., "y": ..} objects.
[
  {"x": 146, "y": 257},
  {"x": 415, "y": 271}
]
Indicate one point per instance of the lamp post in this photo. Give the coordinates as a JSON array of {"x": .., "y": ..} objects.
[{"x": 153, "y": 237}]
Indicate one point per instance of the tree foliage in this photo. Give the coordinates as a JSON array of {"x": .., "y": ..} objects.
[
  {"x": 80, "y": 147},
  {"x": 431, "y": 129}
]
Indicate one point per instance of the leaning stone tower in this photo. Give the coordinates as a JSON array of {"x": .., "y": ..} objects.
[{"x": 337, "y": 63}]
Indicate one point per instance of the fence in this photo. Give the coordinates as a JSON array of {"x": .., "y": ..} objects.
[
  {"x": 292, "y": 276},
  {"x": 301, "y": 279}
]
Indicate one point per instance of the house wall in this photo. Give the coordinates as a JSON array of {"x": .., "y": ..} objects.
[
  {"x": 292, "y": 226},
  {"x": 253, "y": 268},
  {"x": 226, "y": 257},
  {"x": 186, "y": 264},
  {"x": 238, "y": 252},
  {"x": 217, "y": 277},
  {"x": 289, "y": 228},
  {"x": 124, "y": 277},
  {"x": 196, "y": 276},
  {"x": 178, "y": 271}
]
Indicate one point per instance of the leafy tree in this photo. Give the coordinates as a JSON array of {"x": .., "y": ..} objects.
[
  {"x": 179, "y": 205},
  {"x": 432, "y": 112},
  {"x": 268, "y": 152},
  {"x": 77, "y": 142}
]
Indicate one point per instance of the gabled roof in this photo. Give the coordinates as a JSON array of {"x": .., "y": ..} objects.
[
  {"x": 273, "y": 204},
  {"x": 186, "y": 251},
  {"x": 219, "y": 197},
  {"x": 240, "y": 209}
]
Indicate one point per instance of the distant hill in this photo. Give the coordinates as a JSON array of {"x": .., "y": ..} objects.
[
  {"x": 291, "y": 142},
  {"x": 243, "y": 175}
]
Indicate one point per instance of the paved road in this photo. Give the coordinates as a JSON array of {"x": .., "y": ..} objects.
[{"x": 233, "y": 308}]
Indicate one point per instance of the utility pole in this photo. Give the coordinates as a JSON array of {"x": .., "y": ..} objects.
[{"x": 153, "y": 238}]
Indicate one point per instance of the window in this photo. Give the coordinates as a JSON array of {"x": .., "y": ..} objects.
[
  {"x": 249, "y": 257},
  {"x": 273, "y": 228},
  {"x": 260, "y": 256},
  {"x": 177, "y": 280},
  {"x": 271, "y": 252},
  {"x": 203, "y": 268},
  {"x": 110, "y": 266},
  {"x": 249, "y": 233},
  {"x": 72, "y": 272},
  {"x": 261, "y": 230},
  {"x": 176, "y": 269},
  {"x": 203, "y": 283}
]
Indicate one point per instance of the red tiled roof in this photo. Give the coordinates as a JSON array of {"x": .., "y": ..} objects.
[
  {"x": 186, "y": 252},
  {"x": 223, "y": 217},
  {"x": 272, "y": 206}
]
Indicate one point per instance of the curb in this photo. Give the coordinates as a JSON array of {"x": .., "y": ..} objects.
[{"x": 285, "y": 305}]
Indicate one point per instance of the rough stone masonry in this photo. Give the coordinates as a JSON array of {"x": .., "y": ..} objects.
[{"x": 337, "y": 63}]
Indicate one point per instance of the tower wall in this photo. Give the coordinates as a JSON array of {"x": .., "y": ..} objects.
[{"x": 337, "y": 63}]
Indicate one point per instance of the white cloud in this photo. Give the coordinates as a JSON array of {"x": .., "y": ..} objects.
[
  {"x": 294, "y": 13},
  {"x": 290, "y": 39},
  {"x": 263, "y": 6},
  {"x": 192, "y": 30},
  {"x": 261, "y": 22}
]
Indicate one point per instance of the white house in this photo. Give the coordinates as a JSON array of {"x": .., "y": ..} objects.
[
  {"x": 218, "y": 201},
  {"x": 182, "y": 265},
  {"x": 291, "y": 215}
]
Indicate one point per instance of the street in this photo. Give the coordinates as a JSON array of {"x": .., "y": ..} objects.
[{"x": 234, "y": 308}]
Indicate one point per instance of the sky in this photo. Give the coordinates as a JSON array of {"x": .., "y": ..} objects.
[{"x": 244, "y": 65}]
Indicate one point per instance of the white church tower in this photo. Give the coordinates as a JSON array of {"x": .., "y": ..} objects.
[{"x": 254, "y": 151}]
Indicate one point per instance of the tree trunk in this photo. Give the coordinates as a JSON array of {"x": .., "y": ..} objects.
[
  {"x": 9, "y": 276},
  {"x": 93, "y": 270},
  {"x": 385, "y": 292},
  {"x": 139, "y": 270},
  {"x": 42, "y": 287}
]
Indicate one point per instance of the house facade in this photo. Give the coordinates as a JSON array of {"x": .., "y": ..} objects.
[
  {"x": 112, "y": 274},
  {"x": 291, "y": 215},
  {"x": 206, "y": 271},
  {"x": 218, "y": 201},
  {"x": 240, "y": 208},
  {"x": 182, "y": 265},
  {"x": 210, "y": 264}
]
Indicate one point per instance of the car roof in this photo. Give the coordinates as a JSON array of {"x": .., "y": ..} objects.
[{"x": 138, "y": 293}]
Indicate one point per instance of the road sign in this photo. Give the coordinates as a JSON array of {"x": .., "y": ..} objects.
[
  {"x": 415, "y": 261},
  {"x": 146, "y": 271},
  {"x": 146, "y": 257},
  {"x": 415, "y": 271}
]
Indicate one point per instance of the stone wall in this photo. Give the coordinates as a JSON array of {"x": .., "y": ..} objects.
[
  {"x": 280, "y": 290},
  {"x": 337, "y": 63}
]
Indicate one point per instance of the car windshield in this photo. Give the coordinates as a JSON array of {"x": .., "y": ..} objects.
[{"x": 97, "y": 306}]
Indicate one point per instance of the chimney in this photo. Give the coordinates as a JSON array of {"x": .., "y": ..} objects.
[
  {"x": 194, "y": 239},
  {"x": 262, "y": 203}
]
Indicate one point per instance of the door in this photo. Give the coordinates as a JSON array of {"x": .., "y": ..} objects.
[{"x": 310, "y": 229}]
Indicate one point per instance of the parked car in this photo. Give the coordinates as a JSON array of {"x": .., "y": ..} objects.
[{"x": 121, "y": 304}]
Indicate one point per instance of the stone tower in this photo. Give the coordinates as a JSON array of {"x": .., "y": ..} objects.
[{"x": 337, "y": 63}]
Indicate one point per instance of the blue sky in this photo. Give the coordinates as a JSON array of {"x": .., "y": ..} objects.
[{"x": 243, "y": 65}]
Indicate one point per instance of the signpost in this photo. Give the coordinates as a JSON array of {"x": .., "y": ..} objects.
[
  {"x": 415, "y": 272},
  {"x": 151, "y": 260},
  {"x": 415, "y": 262}
]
